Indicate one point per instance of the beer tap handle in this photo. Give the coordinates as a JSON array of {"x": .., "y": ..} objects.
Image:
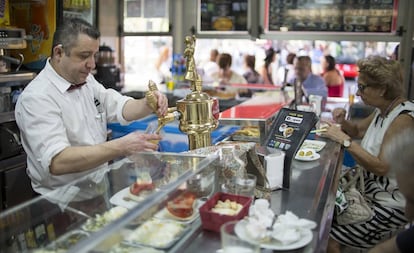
[{"x": 150, "y": 96}]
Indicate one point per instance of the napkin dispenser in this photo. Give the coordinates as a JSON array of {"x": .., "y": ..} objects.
[{"x": 273, "y": 161}]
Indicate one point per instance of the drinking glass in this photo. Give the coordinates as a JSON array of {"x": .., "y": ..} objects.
[
  {"x": 240, "y": 185},
  {"x": 351, "y": 94},
  {"x": 231, "y": 243},
  {"x": 152, "y": 129},
  {"x": 245, "y": 185}
]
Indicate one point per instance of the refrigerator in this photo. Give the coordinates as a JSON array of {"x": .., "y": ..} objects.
[{"x": 40, "y": 18}]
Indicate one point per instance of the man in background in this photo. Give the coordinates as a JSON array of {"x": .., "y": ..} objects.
[
  {"x": 305, "y": 82},
  {"x": 211, "y": 67}
]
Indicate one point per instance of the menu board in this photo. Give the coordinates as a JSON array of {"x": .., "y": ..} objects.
[
  {"x": 288, "y": 131},
  {"x": 367, "y": 16},
  {"x": 222, "y": 16}
]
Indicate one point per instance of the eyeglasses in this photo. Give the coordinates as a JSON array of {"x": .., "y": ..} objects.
[{"x": 362, "y": 87}]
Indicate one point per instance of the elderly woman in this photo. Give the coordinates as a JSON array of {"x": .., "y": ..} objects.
[{"x": 380, "y": 85}]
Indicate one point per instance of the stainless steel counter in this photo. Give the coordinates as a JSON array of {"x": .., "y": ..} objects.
[{"x": 311, "y": 196}]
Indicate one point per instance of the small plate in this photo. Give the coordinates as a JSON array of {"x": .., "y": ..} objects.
[
  {"x": 274, "y": 244},
  {"x": 313, "y": 157},
  {"x": 121, "y": 199},
  {"x": 313, "y": 144}
]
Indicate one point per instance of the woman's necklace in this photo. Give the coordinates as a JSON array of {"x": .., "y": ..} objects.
[
  {"x": 382, "y": 116},
  {"x": 390, "y": 107}
]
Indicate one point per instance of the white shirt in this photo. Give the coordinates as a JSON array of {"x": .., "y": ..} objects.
[
  {"x": 384, "y": 189},
  {"x": 281, "y": 73},
  {"x": 51, "y": 118},
  {"x": 210, "y": 68}
]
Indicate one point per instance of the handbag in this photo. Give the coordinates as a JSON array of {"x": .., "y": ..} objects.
[{"x": 357, "y": 209}]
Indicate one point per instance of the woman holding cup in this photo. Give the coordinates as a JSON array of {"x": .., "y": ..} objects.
[{"x": 380, "y": 85}]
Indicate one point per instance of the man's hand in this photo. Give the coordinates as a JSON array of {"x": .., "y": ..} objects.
[
  {"x": 162, "y": 103},
  {"x": 138, "y": 142}
]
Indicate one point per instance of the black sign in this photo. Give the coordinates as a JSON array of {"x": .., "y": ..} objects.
[{"x": 287, "y": 133}]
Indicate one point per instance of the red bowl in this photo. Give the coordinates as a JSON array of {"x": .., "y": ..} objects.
[{"x": 212, "y": 221}]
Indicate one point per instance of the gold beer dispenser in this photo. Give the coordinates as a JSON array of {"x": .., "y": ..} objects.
[{"x": 197, "y": 113}]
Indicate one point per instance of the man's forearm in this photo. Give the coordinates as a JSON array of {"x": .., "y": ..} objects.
[{"x": 83, "y": 158}]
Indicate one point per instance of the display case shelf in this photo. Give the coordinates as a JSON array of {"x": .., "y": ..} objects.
[
  {"x": 7, "y": 117},
  {"x": 16, "y": 78}
]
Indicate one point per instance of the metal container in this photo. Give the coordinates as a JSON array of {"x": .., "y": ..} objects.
[{"x": 5, "y": 99}]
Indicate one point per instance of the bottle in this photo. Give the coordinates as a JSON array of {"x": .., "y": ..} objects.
[
  {"x": 170, "y": 83},
  {"x": 30, "y": 239},
  {"x": 39, "y": 228},
  {"x": 231, "y": 167}
]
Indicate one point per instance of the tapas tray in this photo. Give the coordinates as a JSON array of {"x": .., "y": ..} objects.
[{"x": 156, "y": 233}]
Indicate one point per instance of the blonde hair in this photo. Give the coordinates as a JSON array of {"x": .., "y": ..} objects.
[{"x": 379, "y": 72}]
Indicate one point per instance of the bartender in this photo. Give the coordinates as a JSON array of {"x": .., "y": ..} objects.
[{"x": 63, "y": 114}]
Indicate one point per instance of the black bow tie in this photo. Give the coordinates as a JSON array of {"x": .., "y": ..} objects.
[{"x": 76, "y": 86}]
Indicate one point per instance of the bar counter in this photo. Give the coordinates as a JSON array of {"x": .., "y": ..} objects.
[{"x": 311, "y": 196}]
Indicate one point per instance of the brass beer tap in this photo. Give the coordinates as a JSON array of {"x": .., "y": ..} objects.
[{"x": 197, "y": 112}]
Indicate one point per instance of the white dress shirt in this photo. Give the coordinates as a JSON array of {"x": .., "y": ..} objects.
[{"x": 52, "y": 118}]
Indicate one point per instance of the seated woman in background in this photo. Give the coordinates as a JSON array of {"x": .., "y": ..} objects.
[
  {"x": 333, "y": 78},
  {"x": 266, "y": 70},
  {"x": 226, "y": 76},
  {"x": 380, "y": 84},
  {"x": 251, "y": 75},
  {"x": 287, "y": 72}
]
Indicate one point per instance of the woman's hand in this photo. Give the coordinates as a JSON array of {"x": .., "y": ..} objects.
[
  {"x": 338, "y": 115},
  {"x": 335, "y": 133}
]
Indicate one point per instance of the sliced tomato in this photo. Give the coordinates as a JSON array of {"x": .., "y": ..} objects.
[
  {"x": 182, "y": 206},
  {"x": 181, "y": 210},
  {"x": 136, "y": 188}
]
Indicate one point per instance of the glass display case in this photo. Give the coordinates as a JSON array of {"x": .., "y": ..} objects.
[
  {"x": 223, "y": 16},
  {"x": 352, "y": 16},
  {"x": 124, "y": 207}
]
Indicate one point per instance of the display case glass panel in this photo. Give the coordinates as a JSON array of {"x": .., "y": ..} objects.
[
  {"x": 88, "y": 214},
  {"x": 146, "y": 16},
  {"x": 223, "y": 16},
  {"x": 352, "y": 16}
]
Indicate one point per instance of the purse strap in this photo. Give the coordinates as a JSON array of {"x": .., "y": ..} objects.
[
  {"x": 351, "y": 177},
  {"x": 360, "y": 173}
]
